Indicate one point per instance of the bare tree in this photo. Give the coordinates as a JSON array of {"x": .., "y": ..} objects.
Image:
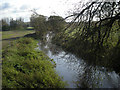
[{"x": 92, "y": 17}]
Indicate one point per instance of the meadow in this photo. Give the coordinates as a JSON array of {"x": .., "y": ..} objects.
[{"x": 8, "y": 36}]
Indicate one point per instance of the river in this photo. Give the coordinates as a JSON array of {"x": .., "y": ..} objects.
[{"x": 75, "y": 71}]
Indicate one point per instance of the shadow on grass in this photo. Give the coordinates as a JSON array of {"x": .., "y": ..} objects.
[
  {"x": 7, "y": 41},
  {"x": 33, "y": 35},
  {"x": 14, "y": 38}
]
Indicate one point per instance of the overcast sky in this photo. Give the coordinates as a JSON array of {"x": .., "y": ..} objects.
[{"x": 21, "y": 8}]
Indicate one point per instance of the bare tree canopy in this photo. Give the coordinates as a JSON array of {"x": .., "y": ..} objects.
[{"x": 93, "y": 16}]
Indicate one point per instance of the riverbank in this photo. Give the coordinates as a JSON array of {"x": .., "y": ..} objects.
[
  {"x": 76, "y": 71},
  {"x": 25, "y": 67},
  {"x": 104, "y": 56}
]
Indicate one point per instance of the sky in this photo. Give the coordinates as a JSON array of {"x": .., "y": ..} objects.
[{"x": 22, "y": 8}]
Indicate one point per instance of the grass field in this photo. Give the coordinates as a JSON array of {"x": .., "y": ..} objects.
[{"x": 8, "y": 36}]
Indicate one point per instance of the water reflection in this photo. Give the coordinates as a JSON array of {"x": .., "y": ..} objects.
[{"x": 75, "y": 71}]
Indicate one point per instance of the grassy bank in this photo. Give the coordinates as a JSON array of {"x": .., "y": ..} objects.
[{"x": 25, "y": 67}]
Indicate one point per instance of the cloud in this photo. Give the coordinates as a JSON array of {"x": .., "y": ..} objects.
[
  {"x": 17, "y": 10},
  {"x": 5, "y": 6},
  {"x": 24, "y": 7}
]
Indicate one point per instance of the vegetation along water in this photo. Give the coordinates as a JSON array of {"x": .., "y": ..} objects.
[
  {"x": 54, "y": 52},
  {"x": 25, "y": 67}
]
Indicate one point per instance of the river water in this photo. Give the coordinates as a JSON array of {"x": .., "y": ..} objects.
[{"x": 75, "y": 71}]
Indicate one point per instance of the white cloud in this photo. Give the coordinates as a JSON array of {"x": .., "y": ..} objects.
[{"x": 21, "y": 8}]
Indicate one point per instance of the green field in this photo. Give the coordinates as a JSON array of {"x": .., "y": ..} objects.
[{"x": 8, "y": 36}]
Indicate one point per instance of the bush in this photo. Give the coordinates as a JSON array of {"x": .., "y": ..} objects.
[{"x": 25, "y": 67}]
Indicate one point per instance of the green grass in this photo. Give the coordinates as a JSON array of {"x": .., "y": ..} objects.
[
  {"x": 8, "y": 35},
  {"x": 30, "y": 28},
  {"x": 25, "y": 67}
]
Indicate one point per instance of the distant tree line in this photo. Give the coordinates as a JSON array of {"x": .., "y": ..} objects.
[
  {"x": 11, "y": 24},
  {"x": 43, "y": 24}
]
